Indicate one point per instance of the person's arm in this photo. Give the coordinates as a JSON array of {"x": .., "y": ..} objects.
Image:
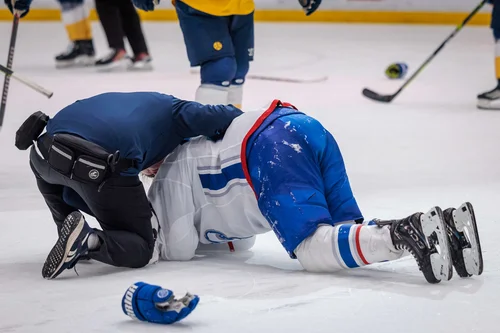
[{"x": 193, "y": 119}]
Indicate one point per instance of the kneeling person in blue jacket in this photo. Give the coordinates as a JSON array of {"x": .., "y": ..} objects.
[{"x": 89, "y": 159}]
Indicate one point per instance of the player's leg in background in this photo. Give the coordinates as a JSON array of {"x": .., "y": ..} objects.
[
  {"x": 491, "y": 99},
  {"x": 75, "y": 16},
  {"x": 209, "y": 45},
  {"x": 242, "y": 35},
  {"x": 133, "y": 31},
  {"x": 110, "y": 17}
]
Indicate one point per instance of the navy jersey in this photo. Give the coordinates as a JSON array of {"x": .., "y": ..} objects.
[{"x": 143, "y": 126}]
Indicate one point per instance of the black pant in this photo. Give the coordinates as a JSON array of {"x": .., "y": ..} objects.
[
  {"x": 119, "y": 19},
  {"x": 121, "y": 208}
]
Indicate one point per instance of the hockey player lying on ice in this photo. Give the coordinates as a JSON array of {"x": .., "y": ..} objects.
[{"x": 281, "y": 170}]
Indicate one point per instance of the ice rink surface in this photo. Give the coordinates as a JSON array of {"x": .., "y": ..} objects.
[{"x": 431, "y": 146}]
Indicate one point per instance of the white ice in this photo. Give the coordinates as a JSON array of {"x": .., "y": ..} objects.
[{"x": 431, "y": 146}]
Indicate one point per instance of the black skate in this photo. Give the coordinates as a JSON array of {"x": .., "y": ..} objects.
[
  {"x": 489, "y": 100},
  {"x": 79, "y": 54},
  {"x": 424, "y": 236},
  {"x": 464, "y": 241},
  {"x": 70, "y": 246}
]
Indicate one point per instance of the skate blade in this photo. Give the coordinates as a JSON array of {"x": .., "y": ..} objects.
[
  {"x": 117, "y": 66},
  {"x": 433, "y": 224},
  {"x": 465, "y": 222},
  {"x": 485, "y": 104},
  {"x": 143, "y": 67},
  {"x": 80, "y": 62}
]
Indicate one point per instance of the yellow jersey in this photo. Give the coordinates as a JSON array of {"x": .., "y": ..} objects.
[{"x": 222, "y": 7}]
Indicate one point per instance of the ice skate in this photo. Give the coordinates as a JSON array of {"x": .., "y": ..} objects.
[
  {"x": 79, "y": 54},
  {"x": 115, "y": 60},
  {"x": 464, "y": 241},
  {"x": 489, "y": 100},
  {"x": 141, "y": 62},
  {"x": 424, "y": 236},
  {"x": 70, "y": 246}
]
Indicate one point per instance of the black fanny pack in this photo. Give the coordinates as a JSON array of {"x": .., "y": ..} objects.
[
  {"x": 82, "y": 160},
  {"x": 30, "y": 130}
]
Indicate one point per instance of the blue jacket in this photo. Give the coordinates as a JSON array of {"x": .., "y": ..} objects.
[{"x": 144, "y": 126}]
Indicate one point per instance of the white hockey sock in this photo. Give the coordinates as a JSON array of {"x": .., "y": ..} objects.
[
  {"x": 93, "y": 241},
  {"x": 332, "y": 248},
  {"x": 235, "y": 96},
  {"x": 212, "y": 94}
]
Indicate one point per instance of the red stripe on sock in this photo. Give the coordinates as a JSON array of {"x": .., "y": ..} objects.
[{"x": 358, "y": 246}]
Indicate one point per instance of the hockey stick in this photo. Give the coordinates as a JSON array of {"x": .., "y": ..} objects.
[
  {"x": 10, "y": 58},
  {"x": 388, "y": 98},
  {"x": 284, "y": 79},
  {"x": 276, "y": 78},
  {"x": 32, "y": 85}
]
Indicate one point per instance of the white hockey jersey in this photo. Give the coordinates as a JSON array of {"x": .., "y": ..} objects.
[{"x": 200, "y": 194}]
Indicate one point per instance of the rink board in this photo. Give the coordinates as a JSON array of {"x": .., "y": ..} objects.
[{"x": 355, "y": 11}]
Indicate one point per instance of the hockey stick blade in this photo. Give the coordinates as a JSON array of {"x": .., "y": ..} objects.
[{"x": 377, "y": 97}]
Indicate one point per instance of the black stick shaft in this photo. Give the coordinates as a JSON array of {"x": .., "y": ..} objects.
[
  {"x": 457, "y": 29},
  {"x": 10, "y": 58}
]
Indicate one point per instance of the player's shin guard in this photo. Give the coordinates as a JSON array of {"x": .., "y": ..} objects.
[
  {"x": 463, "y": 236},
  {"x": 332, "y": 248}
]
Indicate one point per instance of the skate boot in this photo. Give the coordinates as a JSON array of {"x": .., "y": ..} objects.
[
  {"x": 424, "y": 236},
  {"x": 71, "y": 245},
  {"x": 141, "y": 62},
  {"x": 79, "y": 54},
  {"x": 489, "y": 100},
  {"x": 117, "y": 59},
  {"x": 463, "y": 237}
]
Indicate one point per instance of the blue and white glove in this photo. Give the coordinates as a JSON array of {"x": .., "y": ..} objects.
[
  {"x": 147, "y": 302},
  {"x": 309, "y": 6},
  {"x": 147, "y": 5},
  {"x": 19, "y": 7}
]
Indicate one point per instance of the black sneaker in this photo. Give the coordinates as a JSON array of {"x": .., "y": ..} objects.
[
  {"x": 423, "y": 235},
  {"x": 70, "y": 246},
  {"x": 114, "y": 60},
  {"x": 489, "y": 100},
  {"x": 141, "y": 62},
  {"x": 463, "y": 237},
  {"x": 79, "y": 54}
]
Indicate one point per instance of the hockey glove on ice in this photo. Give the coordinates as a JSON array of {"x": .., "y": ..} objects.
[
  {"x": 20, "y": 7},
  {"x": 309, "y": 6},
  {"x": 147, "y": 302},
  {"x": 147, "y": 5}
]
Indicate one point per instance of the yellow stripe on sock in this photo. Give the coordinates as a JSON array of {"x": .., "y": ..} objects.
[
  {"x": 79, "y": 30},
  {"x": 238, "y": 106}
]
